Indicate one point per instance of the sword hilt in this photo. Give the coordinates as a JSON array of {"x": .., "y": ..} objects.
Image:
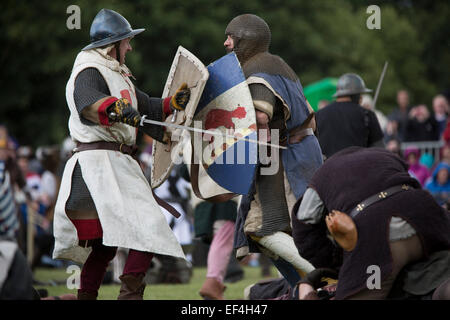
[
  {"x": 141, "y": 123},
  {"x": 174, "y": 116}
]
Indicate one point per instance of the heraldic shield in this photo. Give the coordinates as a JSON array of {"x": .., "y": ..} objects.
[
  {"x": 226, "y": 108},
  {"x": 189, "y": 69}
]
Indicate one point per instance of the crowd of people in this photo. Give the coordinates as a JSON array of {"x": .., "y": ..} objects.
[
  {"x": 34, "y": 181},
  {"x": 417, "y": 134},
  {"x": 422, "y": 138},
  {"x": 29, "y": 183},
  {"x": 91, "y": 199}
]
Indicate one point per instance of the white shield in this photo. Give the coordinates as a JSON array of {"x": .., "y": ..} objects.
[{"x": 189, "y": 69}]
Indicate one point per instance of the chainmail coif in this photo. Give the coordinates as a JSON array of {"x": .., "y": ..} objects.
[{"x": 251, "y": 35}]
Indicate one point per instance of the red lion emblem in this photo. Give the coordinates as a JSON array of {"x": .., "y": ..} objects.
[{"x": 218, "y": 117}]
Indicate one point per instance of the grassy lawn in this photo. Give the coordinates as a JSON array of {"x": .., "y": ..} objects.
[{"x": 187, "y": 291}]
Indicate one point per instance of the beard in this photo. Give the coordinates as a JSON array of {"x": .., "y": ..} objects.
[{"x": 228, "y": 50}]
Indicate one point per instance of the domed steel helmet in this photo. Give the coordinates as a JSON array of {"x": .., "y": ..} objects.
[
  {"x": 251, "y": 35},
  {"x": 109, "y": 27},
  {"x": 350, "y": 84}
]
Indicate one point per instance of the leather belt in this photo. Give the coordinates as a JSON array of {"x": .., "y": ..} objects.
[
  {"x": 298, "y": 136},
  {"x": 378, "y": 197},
  {"x": 130, "y": 150},
  {"x": 103, "y": 145}
]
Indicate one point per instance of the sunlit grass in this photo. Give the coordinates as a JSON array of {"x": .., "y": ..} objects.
[{"x": 189, "y": 291}]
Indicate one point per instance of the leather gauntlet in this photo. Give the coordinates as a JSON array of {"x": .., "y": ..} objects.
[{"x": 122, "y": 111}]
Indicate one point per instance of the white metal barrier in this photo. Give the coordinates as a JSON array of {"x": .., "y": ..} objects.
[{"x": 430, "y": 147}]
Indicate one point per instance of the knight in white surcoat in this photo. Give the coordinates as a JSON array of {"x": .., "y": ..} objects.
[{"x": 105, "y": 201}]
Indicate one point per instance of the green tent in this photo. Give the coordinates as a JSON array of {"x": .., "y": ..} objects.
[{"x": 320, "y": 90}]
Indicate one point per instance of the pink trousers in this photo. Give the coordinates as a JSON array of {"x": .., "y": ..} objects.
[{"x": 219, "y": 251}]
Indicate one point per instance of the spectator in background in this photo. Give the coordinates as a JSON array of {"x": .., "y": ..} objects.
[
  {"x": 17, "y": 180},
  {"x": 9, "y": 222},
  {"x": 32, "y": 186},
  {"x": 400, "y": 114},
  {"x": 34, "y": 203},
  {"x": 420, "y": 126},
  {"x": 446, "y": 133},
  {"x": 419, "y": 171},
  {"x": 15, "y": 277},
  {"x": 445, "y": 153},
  {"x": 367, "y": 102},
  {"x": 439, "y": 185},
  {"x": 49, "y": 158},
  {"x": 393, "y": 145},
  {"x": 8, "y": 155},
  {"x": 32, "y": 178},
  {"x": 441, "y": 110},
  {"x": 427, "y": 160},
  {"x": 391, "y": 131}
]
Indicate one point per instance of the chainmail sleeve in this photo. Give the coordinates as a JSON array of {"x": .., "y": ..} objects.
[
  {"x": 152, "y": 108},
  {"x": 263, "y": 99},
  {"x": 90, "y": 86}
]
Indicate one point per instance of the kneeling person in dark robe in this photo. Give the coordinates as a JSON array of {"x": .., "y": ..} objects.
[{"x": 392, "y": 234}]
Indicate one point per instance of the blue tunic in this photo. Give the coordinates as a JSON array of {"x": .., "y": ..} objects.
[{"x": 300, "y": 160}]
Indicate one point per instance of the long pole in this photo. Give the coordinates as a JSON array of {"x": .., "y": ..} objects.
[
  {"x": 30, "y": 234},
  {"x": 379, "y": 84}
]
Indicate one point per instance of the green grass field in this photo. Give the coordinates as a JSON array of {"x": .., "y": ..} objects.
[{"x": 189, "y": 291}]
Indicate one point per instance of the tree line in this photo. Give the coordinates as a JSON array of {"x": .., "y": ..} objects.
[{"x": 318, "y": 39}]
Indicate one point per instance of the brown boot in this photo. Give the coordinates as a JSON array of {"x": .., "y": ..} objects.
[
  {"x": 132, "y": 287},
  {"x": 84, "y": 295},
  {"x": 212, "y": 289}
]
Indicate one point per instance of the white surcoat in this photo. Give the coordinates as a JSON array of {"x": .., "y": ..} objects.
[{"x": 129, "y": 215}]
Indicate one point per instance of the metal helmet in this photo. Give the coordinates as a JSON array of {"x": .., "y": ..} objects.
[
  {"x": 251, "y": 35},
  {"x": 109, "y": 27},
  {"x": 350, "y": 84}
]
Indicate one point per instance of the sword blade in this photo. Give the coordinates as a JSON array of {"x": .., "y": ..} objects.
[{"x": 215, "y": 133}]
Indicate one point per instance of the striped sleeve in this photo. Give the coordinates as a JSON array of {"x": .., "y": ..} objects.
[{"x": 9, "y": 223}]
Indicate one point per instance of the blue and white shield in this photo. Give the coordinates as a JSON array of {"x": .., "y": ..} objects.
[{"x": 226, "y": 107}]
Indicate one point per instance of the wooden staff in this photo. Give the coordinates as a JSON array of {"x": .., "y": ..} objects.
[{"x": 30, "y": 234}]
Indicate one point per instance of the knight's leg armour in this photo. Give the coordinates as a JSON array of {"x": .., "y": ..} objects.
[{"x": 283, "y": 245}]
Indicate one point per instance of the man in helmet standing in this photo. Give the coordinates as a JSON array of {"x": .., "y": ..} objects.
[
  {"x": 345, "y": 123},
  {"x": 263, "y": 221},
  {"x": 104, "y": 201}
]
